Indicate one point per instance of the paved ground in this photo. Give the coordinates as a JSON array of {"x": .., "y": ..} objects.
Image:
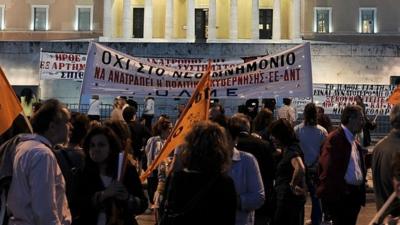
[{"x": 365, "y": 216}]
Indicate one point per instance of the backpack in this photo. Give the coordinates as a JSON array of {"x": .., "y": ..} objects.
[{"x": 7, "y": 155}]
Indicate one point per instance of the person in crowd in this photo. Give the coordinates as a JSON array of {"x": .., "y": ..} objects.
[
  {"x": 217, "y": 114},
  {"x": 324, "y": 120},
  {"x": 261, "y": 122},
  {"x": 28, "y": 98},
  {"x": 36, "y": 106},
  {"x": 202, "y": 193},
  {"x": 263, "y": 152},
  {"x": 342, "y": 169},
  {"x": 94, "y": 108},
  {"x": 382, "y": 157},
  {"x": 110, "y": 197},
  {"x": 180, "y": 108},
  {"x": 269, "y": 103},
  {"x": 132, "y": 103},
  {"x": 394, "y": 219},
  {"x": 70, "y": 158},
  {"x": 139, "y": 135},
  {"x": 18, "y": 126},
  {"x": 37, "y": 190},
  {"x": 286, "y": 111},
  {"x": 311, "y": 136},
  {"x": 148, "y": 111},
  {"x": 119, "y": 105},
  {"x": 161, "y": 131},
  {"x": 369, "y": 125},
  {"x": 246, "y": 175},
  {"x": 122, "y": 132},
  {"x": 290, "y": 175}
]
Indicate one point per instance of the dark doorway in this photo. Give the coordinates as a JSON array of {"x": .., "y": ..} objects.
[
  {"x": 265, "y": 23},
  {"x": 138, "y": 22},
  {"x": 201, "y": 21}
]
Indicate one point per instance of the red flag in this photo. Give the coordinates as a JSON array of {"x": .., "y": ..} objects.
[
  {"x": 10, "y": 107},
  {"x": 196, "y": 110}
]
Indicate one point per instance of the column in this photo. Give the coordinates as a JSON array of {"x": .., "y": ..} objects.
[
  {"x": 107, "y": 32},
  {"x": 295, "y": 20},
  {"x": 169, "y": 23},
  {"x": 233, "y": 25},
  {"x": 276, "y": 20},
  {"x": 255, "y": 20},
  {"x": 190, "y": 20},
  {"x": 127, "y": 19},
  {"x": 212, "y": 20},
  {"x": 148, "y": 19}
]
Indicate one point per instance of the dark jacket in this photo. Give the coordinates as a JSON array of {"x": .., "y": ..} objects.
[
  {"x": 128, "y": 209},
  {"x": 333, "y": 162}
]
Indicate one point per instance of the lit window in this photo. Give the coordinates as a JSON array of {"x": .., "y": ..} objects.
[
  {"x": 40, "y": 17},
  {"x": 1, "y": 17},
  {"x": 368, "y": 20},
  {"x": 322, "y": 20},
  {"x": 84, "y": 18}
]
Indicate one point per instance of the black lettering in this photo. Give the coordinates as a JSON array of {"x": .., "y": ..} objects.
[
  {"x": 184, "y": 92},
  {"x": 290, "y": 58},
  {"x": 162, "y": 93},
  {"x": 231, "y": 92},
  {"x": 106, "y": 58},
  {"x": 118, "y": 61},
  {"x": 140, "y": 69},
  {"x": 160, "y": 72}
]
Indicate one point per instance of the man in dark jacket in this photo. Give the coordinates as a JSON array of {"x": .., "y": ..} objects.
[
  {"x": 382, "y": 157},
  {"x": 342, "y": 169}
]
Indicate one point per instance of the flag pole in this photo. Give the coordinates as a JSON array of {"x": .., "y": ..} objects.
[{"x": 383, "y": 209}]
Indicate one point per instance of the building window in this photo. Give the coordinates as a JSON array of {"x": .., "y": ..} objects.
[
  {"x": 84, "y": 18},
  {"x": 2, "y": 17},
  {"x": 322, "y": 20},
  {"x": 138, "y": 22},
  {"x": 368, "y": 20},
  {"x": 40, "y": 15}
]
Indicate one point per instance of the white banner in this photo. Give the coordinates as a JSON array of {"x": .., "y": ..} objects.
[
  {"x": 287, "y": 74},
  {"x": 334, "y": 97},
  {"x": 72, "y": 66},
  {"x": 68, "y": 66}
]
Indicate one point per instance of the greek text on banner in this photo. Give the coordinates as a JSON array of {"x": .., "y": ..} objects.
[{"x": 109, "y": 72}]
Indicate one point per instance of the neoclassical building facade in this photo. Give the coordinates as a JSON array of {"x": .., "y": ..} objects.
[{"x": 212, "y": 21}]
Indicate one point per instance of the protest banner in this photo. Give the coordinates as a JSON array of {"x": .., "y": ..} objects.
[
  {"x": 196, "y": 110},
  {"x": 287, "y": 74},
  {"x": 334, "y": 97},
  {"x": 66, "y": 66},
  {"x": 71, "y": 66}
]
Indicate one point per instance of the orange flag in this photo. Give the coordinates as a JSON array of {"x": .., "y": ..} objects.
[
  {"x": 196, "y": 110},
  {"x": 394, "y": 98},
  {"x": 10, "y": 107}
]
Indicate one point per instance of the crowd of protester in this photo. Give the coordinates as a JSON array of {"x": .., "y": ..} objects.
[{"x": 239, "y": 169}]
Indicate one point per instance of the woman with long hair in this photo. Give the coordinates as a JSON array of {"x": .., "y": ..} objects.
[
  {"x": 109, "y": 199},
  {"x": 290, "y": 171},
  {"x": 202, "y": 193}
]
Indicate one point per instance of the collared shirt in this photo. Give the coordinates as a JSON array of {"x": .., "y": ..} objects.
[
  {"x": 353, "y": 174},
  {"x": 248, "y": 183},
  {"x": 37, "y": 191}
]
